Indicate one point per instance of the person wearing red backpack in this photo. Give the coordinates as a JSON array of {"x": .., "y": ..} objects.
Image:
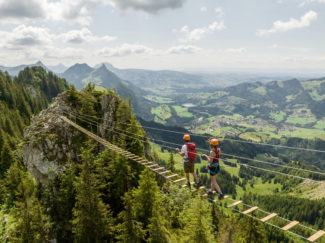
[
  {"x": 188, "y": 152},
  {"x": 214, "y": 166}
]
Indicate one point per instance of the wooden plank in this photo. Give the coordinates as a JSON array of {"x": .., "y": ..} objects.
[
  {"x": 206, "y": 194},
  {"x": 250, "y": 210},
  {"x": 148, "y": 163},
  {"x": 290, "y": 225},
  {"x": 217, "y": 200},
  {"x": 160, "y": 168},
  {"x": 182, "y": 179},
  {"x": 172, "y": 175},
  {"x": 153, "y": 166},
  {"x": 270, "y": 216},
  {"x": 196, "y": 189},
  {"x": 133, "y": 156},
  {"x": 185, "y": 185},
  {"x": 234, "y": 204},
  {"x": 316, "y": 236},
  {"x": 164, "y": 172}
]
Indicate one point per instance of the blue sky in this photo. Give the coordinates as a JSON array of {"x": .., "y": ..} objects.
[{"x": 271, "y": 35}]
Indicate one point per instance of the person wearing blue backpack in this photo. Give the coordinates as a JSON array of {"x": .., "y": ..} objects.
[
  {"x": 188, "y": 152},
  {"x": 214, "y": 166}
]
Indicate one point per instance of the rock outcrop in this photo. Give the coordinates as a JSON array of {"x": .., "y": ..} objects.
[{"x": 49, "y": 141}]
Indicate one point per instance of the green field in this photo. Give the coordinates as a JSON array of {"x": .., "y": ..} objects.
[
  {"x": 158, "y": 99},
  {"x": 320, "y": 125},
  {"x": 304, "y": 133},
  {"x": 163, "y": 112},
  {"x": 299, "y": 120},
  {"x": 251, "y": 136},
  {"x": 182, "y": 111},
  {"x": 277, "y": 116}
]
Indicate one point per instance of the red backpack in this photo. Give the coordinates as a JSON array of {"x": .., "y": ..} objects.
[{"x": 191, "y": 151}]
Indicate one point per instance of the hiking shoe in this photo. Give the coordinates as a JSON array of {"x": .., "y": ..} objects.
[
  {"x": 221, "y": 196},
  {"x": 198, "y": 185},
  {"x": 188, "y": 184},
  {"x": 210, "y": 193}
]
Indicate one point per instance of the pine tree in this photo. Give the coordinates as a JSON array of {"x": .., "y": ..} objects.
[
  {"x": 7, "y": 158},
  {"x": 92, "y": 220},
  {"x": 171, "y": 162},
  {"x": 59, "y": 197},
  {"x": 73, "y": 96},
  {"x": 115, "y": 177},
  {"x": 12, "y": 180},
  {"x": 227, "y": 230},
  {"x": 198, "y": 222},
  {"x": 215, "y": 214},
  {"x": 155, "y": 157},
  {"x": 145, "y": 196},
  {"x": 2, "y": 140},
  {"x": 251, "y": 230},
  {"x": 158, "y": 227},
  {"x": 30, "y": 223},
  {"x": 131, "y": 229}
]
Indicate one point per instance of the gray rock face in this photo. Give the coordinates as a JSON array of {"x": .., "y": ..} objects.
[{"x": 48, "y": 142}]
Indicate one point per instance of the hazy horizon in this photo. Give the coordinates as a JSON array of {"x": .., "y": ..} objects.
[{"x": 200, "y": 35}]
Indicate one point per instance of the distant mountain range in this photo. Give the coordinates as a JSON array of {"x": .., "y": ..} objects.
[
  {"x": 81, "y": 74},
  {"x": 13, "y": 71},
  {"x": 166, "y": 82}
]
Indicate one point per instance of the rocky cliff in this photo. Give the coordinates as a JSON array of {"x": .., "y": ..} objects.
[{"x": 49, "y": 142}]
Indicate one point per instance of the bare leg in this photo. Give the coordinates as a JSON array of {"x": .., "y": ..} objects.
[
  {"x": 211, "y": 187},
  {"x": 188, "y": 177},
  {"x": 196, "y": 177},
  {"x": 214, "y": 183}
]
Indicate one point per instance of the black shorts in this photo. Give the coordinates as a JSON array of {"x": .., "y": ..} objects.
[{"x": 214, "y": 170}]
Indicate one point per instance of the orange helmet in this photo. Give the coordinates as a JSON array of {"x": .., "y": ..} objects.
[
  {"x": 186, "y": 137},
  {"x": 214, "y": 142}
]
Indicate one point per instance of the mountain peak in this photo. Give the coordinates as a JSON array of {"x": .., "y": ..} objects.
[
  {"x": 103, "y": 67},
  {"x": 83, "y": 67},
  {"x": 39, "y": 63}
]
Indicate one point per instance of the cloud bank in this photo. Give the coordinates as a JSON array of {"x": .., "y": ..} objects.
[{"x": 280, "y": 26}]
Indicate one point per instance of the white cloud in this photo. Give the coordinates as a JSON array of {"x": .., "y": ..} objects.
[
  {"x": 220, "y": 12},
  {"x": 25, "y": 36},
  {"x": 203, "y": 9},
  {"x": 198, "y": 33},
  {"x": 21, "y": 9},
  {"x": 183, "y": 49},
  {"x": 83, "y": 35},
  {"x": 67, "y": 53},
  {"x": 125, "y": 50},
  {"x": 305, "y": 2},
  {"x": 150, "y": 6},
  {"x": 274, "y": 46},
  {"x": 280, "y": 26},
  {"x": 76, "y": 11},
  {"x": 235, "y": 50}
]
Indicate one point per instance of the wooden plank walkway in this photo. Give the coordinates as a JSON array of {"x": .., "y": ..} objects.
[
  {"x": 270, "y": 216},
  {"x": 158, "y": 171},
  {"x": 316, "y": 236},
  {"x": 250, "y": 210},
  {"x": 234, "y": 204},
  {"x": 290, "y": 225}
]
